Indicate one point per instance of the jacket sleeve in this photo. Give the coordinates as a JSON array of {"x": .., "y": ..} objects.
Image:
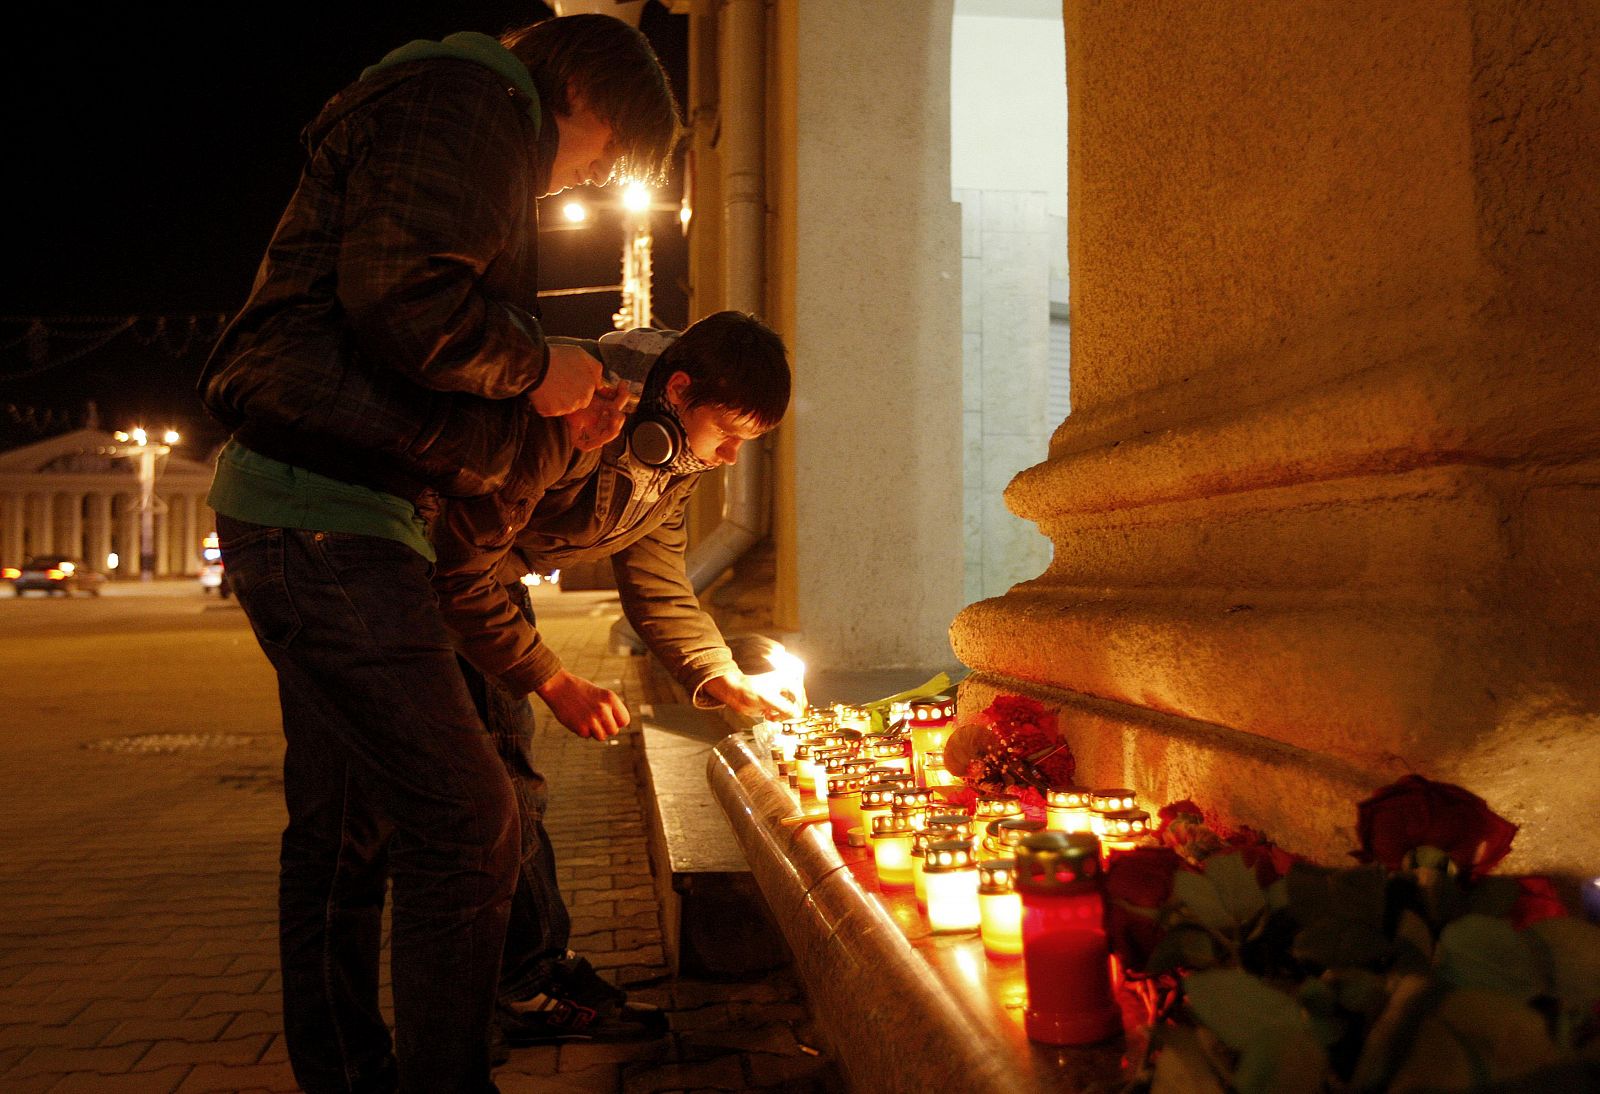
[
  {"x": 661, "y": 604},
  {"x": 440, "y": 190},
  {"x": 472, "y": 539}
]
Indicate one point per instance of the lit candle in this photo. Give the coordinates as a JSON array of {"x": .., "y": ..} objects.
[
  {"x": 951, "y": 878},
  {"x": 993, "y": 807},
  {"x": 1102, "y": 802},
  {"x": 1067, "y": 809},
  {"x": 802, "y": 766},
  {"x": 1065, "y": 958},
  {"x": 934, "y": 772},
  {"x": 891, "y": 851},
  {"x": 1125, "y": 829},
  {"x": 912, "y": 801},
  {"x": 1002, "y": 837},
  {"x": 932, "y": 833},
  {"x": 957, "y": 822},
  {"x": 930, "y": 724},
  {"x": 1000, "y": 909},
  {"x": 891, "y": 752},
  {"x": 817, "y": 772},
  {"x": 844, "y": 806},
  {"x": 876, "y": 801}
]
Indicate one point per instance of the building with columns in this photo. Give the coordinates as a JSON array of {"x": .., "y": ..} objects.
[{"x": 67, "y": 495}]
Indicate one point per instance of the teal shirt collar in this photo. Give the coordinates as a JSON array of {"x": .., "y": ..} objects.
[{"x": 469, "y": 45}]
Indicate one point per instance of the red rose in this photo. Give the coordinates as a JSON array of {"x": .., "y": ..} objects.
[
  {"x": 1267, "y": 859},
  {"x": 1417, "y": 812},
  {"x": 1536, "y": 900},
  {"x": 1142, "y": 876},
  {"x": 1185, "y": 809}
]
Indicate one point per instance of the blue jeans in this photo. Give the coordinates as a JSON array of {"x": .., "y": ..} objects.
[{"x": 387, "y": 772}]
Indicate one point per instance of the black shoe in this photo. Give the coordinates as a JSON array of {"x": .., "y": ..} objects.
[{"x": 574, "y": 1003}]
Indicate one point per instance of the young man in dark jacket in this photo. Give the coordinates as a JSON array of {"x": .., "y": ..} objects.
[
  {"x": 389, "y": 350},
  {"x": 723, "y": 382}
]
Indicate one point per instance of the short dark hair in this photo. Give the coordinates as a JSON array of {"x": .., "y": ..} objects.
[
  {"x": 734, "y": 362},
  {"x": 611, "y": 66}
]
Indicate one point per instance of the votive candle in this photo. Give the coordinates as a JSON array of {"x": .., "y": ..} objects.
[{"x": 999, "y": 909}]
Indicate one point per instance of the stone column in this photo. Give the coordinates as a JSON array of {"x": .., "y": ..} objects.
[
  {"x": 871, "y": 246},
  {"x": 14, "y": 507},
  {"x": 128, "y": 535},
  {"x": 69, "y": 524},
  {"x": 99, "y": 531},
  {"x": 42, "y": 524},
  {"x": 189, "y": 534},
  {"x": 163, "y": 538},
  {"x": 1325, "y": 508}
]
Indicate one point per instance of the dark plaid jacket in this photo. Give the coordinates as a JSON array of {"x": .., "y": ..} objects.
[{"x": 390, "y": 331}]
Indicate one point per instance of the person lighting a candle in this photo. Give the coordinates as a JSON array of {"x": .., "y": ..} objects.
[{"x": 612, "y": 484}]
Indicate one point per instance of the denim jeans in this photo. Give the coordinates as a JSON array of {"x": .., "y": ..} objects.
[
  {"x": 388, "y": 772},
  {"x": 540, "y": 926}
]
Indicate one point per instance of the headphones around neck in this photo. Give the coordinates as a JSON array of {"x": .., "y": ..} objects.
[{"x": 656, "y": 437}]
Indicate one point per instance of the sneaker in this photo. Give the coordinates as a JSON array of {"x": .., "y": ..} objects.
[{"x": 577, "y": 1004}]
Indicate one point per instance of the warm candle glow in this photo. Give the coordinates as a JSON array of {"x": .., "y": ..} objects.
[
  {"x": 1067, "y": 809},
  {"x": 891, "y": 851},
  {"x": 951, "y": 880},
  {"x": 1065, "y": 955},
  {"x": 1108, "y": 801},
  {"x": 1000, "y": 909}
]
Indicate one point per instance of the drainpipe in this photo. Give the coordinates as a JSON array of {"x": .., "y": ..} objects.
[{"x": 746, "y": 506}]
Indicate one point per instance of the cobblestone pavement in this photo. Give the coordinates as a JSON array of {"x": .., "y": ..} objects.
[{"x": 137, "y": 886}]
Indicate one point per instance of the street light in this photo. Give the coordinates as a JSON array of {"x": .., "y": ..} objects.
[{"x": 136, "y": 444}]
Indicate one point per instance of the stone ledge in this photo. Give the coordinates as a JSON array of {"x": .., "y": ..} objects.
[{"x": 902, "y": 1008}]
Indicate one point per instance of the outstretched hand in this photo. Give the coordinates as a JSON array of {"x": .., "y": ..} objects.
[
  {"x": 586, "y": 709},
  {"x": 766, "y": 695},
  {"x": 569, "y": 383}
]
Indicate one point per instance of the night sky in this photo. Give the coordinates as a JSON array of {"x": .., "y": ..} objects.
[{"x": 151, "y": 149}]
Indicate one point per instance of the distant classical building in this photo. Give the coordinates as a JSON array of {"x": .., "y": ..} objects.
[{"x": 67, "y": 495}]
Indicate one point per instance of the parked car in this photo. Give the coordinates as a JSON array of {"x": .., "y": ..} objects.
[
  {"x": 55, "y": 575},
  {"x": 212, "y": 579}
]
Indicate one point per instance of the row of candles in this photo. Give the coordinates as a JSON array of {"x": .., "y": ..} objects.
[{"x": 1030, "y": 888}]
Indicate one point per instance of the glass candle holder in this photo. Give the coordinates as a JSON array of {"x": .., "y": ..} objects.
[
  {"x": 844, "y": 807},
  {"x": 933, "y": 769},
  {"x": 891, "y": 851},
  {"x": 933, "y": 833},
  {"x": 876, "y": 801},
  {"x": 892, "y": 752},
  {"x": 1102, "y": 802},
  {"x": 951, "y": 877},
  {"x": 891, "y": 776},
  {"x": 802, "y": 766},
  {"x": 821, "y": 759},
  {"x": 1065, "y": 957},
  {"x": 1125, "y": 829},
  {"x": 992, "y": 807},
  {"x": 898, "y": 717},
  {"x": 999, "y": 909},
  {"x": 913, "y": 802},
  {"x": 1002, "y": 837},
  {"x": 930, "y": 725},
  {"x": 959, "y": 823},
  {"x": 1068, "y": 808}
]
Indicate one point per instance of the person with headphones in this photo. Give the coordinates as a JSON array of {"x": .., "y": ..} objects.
[{"x": 610, "y": 481}]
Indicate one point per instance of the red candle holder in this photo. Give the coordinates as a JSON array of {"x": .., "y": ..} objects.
[{"x": 1065, "y": 956}]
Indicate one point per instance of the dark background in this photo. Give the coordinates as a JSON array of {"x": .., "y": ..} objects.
[{"x": 150, "y": 151}]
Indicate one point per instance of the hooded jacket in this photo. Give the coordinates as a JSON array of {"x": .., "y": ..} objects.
[
  {"x": 390, "y": 333},
  {"x": 559, "y": 507}
]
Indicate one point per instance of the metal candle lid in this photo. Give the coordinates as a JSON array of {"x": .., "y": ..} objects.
[
  {"x": 947, "y": 856},
  {"x": 840, "y": 785},
  {"x": 877, "y": 796},
  {"x": 933, "y": 833},
  {"x": 957, "y": 822},
  {"x": 910, "y": 798},
  {"x": 1058, "y": 864},
  {"x": 1068, "y": 797},
  {"x": 1011, "y": 831},
  {"x": 886, "y": 825},
  {"x": 996, "y": 806},
  {"x": 889, "y": 775},
  {"x": 933, "y": 709},
  {"x": 996, "y": 876},
  {"x": 1125, "y": 824},
  {"x": 885, "y": 748},
  {"x": 1103, "y": 801}
]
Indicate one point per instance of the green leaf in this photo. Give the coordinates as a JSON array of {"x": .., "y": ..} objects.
[
  {"x": 1307, "y": 888},
  {"x": 1316, "y": 892},
  {"x": 1362, "y": 992},
  {"x": 1337, "y": 943},
  {"x": 1282, "y": 1061},
  {"x": 1239, "y": 1008},
  {"x": 1198, "y": 894},
  {"x": 1474, "y": 1038},
  {"x": 1573, "y": 947},
  {"x": 1182, "y": 1065},
  {"x": 1413, "y": 943},
  {"x": 1236, "y": 886},
  {"x": 1479, "y": 951},
  {"x": 1278, "y": 895},
  {"x": 1183, "y": 947},
  {"x": 1495, "y": 896}
]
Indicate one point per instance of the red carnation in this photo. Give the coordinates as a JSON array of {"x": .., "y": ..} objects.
[
  {"x": 1417, "y": 812},
  {"x": 1536, "y": 900}
]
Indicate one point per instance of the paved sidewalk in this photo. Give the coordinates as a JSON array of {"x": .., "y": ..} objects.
[{"x": 137, "y": 905}]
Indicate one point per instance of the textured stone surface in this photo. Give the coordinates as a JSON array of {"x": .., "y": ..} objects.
[{"x": 1324, "y": 510}]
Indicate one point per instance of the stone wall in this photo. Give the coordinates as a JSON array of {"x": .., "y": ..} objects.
[{"x": 1324, "y": 510}]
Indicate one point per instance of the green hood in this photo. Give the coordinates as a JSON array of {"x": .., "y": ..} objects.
[{"x": 468, "y": 45}]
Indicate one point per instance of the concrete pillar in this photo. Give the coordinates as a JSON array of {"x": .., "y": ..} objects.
[
  {"x": 163, "y": 537},
  {"x": 99, "y": 529},
  {"x": 1324, "y": 510},
  {"x": 69, "y": 524},
  {"x": 41, "y": 524},
  {"x": 869, "y": 240},
  {"x": 127, "y": 534},
  {"x": 13, "y": 514}
]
